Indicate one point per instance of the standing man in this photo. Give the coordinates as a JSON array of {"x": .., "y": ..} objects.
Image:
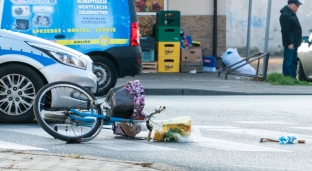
[{"x": 291, "y": 36}]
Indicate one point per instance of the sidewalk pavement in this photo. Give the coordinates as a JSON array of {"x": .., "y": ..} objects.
[
  {"x": 211, "y": 84},
  {"x": 31, "y": 161}
]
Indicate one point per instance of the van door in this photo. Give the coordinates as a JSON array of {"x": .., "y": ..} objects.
[
  {"x": 43, "y": 18},
  {"x": 1, "y": 11},
  {"x": 97, "y": 25}
]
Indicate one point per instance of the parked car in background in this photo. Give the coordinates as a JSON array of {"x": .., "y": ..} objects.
[
  {"x": 304, "y": 67},
  {"x": 105, "y": 30},
  {"x": 27, "y": 63}
]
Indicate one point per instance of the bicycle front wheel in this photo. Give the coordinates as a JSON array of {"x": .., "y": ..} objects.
[{"x": 56, "y": 107}]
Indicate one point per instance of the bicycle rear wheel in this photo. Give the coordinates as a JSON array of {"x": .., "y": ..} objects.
[{"x": 52, "y": 109}]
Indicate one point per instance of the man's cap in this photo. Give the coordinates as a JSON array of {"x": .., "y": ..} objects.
[{"x": 297, "y": 2}]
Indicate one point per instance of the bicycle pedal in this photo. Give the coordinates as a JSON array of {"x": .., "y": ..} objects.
[{"x": 74, "y": 141}]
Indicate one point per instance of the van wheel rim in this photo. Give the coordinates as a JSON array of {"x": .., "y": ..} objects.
[
  {"x": 102, "y": 74},
  {"x": 17, "y": 94}
]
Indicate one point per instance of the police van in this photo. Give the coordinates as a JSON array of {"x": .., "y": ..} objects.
[
  {"x": 105, "y": 30},
  {"x": 27, "y": 63}
]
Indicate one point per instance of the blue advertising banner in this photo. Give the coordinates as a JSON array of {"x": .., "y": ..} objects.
[{"x": 84, "y": 25}]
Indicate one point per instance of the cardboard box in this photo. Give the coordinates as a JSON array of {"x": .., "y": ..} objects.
[
  {"x": 187, "y": 67},
  {"x": 191, "y": 54}
]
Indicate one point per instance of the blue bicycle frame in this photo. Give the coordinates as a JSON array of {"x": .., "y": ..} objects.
[{"x": 85, "y": 117}]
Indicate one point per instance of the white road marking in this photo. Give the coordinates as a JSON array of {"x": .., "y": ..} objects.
[
  {"x": 266, "y": 168},
  {"x": 14, "y": 146},
  {"x": 215, "y": 127},
  {"x": 131, "y": 146},
  {"x": 28, "y": 130},
  {"x": 233, "y": 146},
  {"x": 264, "y": 122},
  {"x": 306, "y": 128},
  {"x": 265, "y": 133}
]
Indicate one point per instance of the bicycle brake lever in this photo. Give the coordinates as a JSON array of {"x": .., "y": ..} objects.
[{"x": 105, "y": 106}]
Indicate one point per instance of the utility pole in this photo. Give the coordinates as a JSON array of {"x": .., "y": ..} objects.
[
  {"x": 267, "y": 30},
  {"x": 266, "y": 42},
  {"x": 248, "y": 29}
]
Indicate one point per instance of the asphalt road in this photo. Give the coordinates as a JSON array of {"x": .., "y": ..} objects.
[{"x": 226, "y": 135}]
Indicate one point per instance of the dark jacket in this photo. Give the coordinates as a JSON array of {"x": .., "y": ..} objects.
[{"x": 291, "y": 28}]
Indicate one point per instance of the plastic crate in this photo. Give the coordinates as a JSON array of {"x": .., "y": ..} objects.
[
  {"x": 168, "y": 34},
  {"x": 209, "y": 61},
  {"x": 148, "y": 55},
  {"x": 168, "y": 65},
  {"x": 168, "y": 49},
  {"x": 147, "y": 43},
  {"x": 168, "y": 18}
]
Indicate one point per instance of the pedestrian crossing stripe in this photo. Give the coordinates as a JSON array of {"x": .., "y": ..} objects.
[
  {"x": 262, "y": 122},
  {"x": 264, "y": 133},
  {"x": 235, "y": 146},
  {"x": 14, "y": 146},
  {"x": 28, "y": 130},
  {"x": 306, "y": 128},
  {"x": 131, "y": 146}
]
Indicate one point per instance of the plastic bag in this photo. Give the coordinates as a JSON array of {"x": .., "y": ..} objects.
[
  {"x": 159, "y": 135},
  {"x": 128, "y": 101},
  {"x": 121, "y": 102},
  {"x": 195, "y": 137},
  {"x": 181, "y": 125},
  {"x": 231, "y": 57},
  {"x": 287, "y": 139},
  {"x": 172, "y": 136}
]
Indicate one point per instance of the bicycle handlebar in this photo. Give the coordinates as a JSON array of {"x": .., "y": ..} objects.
[
  {"x": 149, "y": 117},
  {"x": 155, "y": 112}
]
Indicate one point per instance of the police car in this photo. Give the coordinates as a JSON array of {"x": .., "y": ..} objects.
[{"x": 27, "y": 63}]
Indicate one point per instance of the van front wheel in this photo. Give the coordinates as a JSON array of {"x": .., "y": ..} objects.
[{"x": 106, "y": 73}]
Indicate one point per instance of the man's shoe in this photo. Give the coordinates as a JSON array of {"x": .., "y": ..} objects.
[{"x": 128, "y": 129}]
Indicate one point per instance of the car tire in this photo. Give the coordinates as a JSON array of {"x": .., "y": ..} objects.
[
  {"x": 300, "y": 72},
  {"x": 106, "y": 72},
  {"x": 19, "y": 85}
]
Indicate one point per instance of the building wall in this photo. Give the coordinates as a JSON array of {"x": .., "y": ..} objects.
[
  {"x": 197, "y": 7},
  {"x": 237, "y": 21},
  {"x": 197, "y": 21}
]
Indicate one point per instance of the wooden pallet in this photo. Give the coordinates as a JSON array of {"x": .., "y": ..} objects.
[{"x": 149, "y": 67}]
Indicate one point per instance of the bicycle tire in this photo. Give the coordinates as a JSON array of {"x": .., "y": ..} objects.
[{"x": 53, "y": 132}]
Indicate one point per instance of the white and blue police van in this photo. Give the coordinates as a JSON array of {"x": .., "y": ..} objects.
[{"x": 105, "y": 30}]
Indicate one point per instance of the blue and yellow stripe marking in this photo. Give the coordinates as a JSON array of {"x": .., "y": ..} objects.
[{"x": 45, "y": 61}]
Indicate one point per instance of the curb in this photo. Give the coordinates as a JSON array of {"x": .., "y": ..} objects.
[
  {"x": 201, "y": 92},
  {"x": 155, "y": 166}
]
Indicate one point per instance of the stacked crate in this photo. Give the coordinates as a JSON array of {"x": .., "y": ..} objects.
[
  {"x": 149, "y": 65},
  {"x": 148, "y": 49},
  {"x": 168, "y": 41}
]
